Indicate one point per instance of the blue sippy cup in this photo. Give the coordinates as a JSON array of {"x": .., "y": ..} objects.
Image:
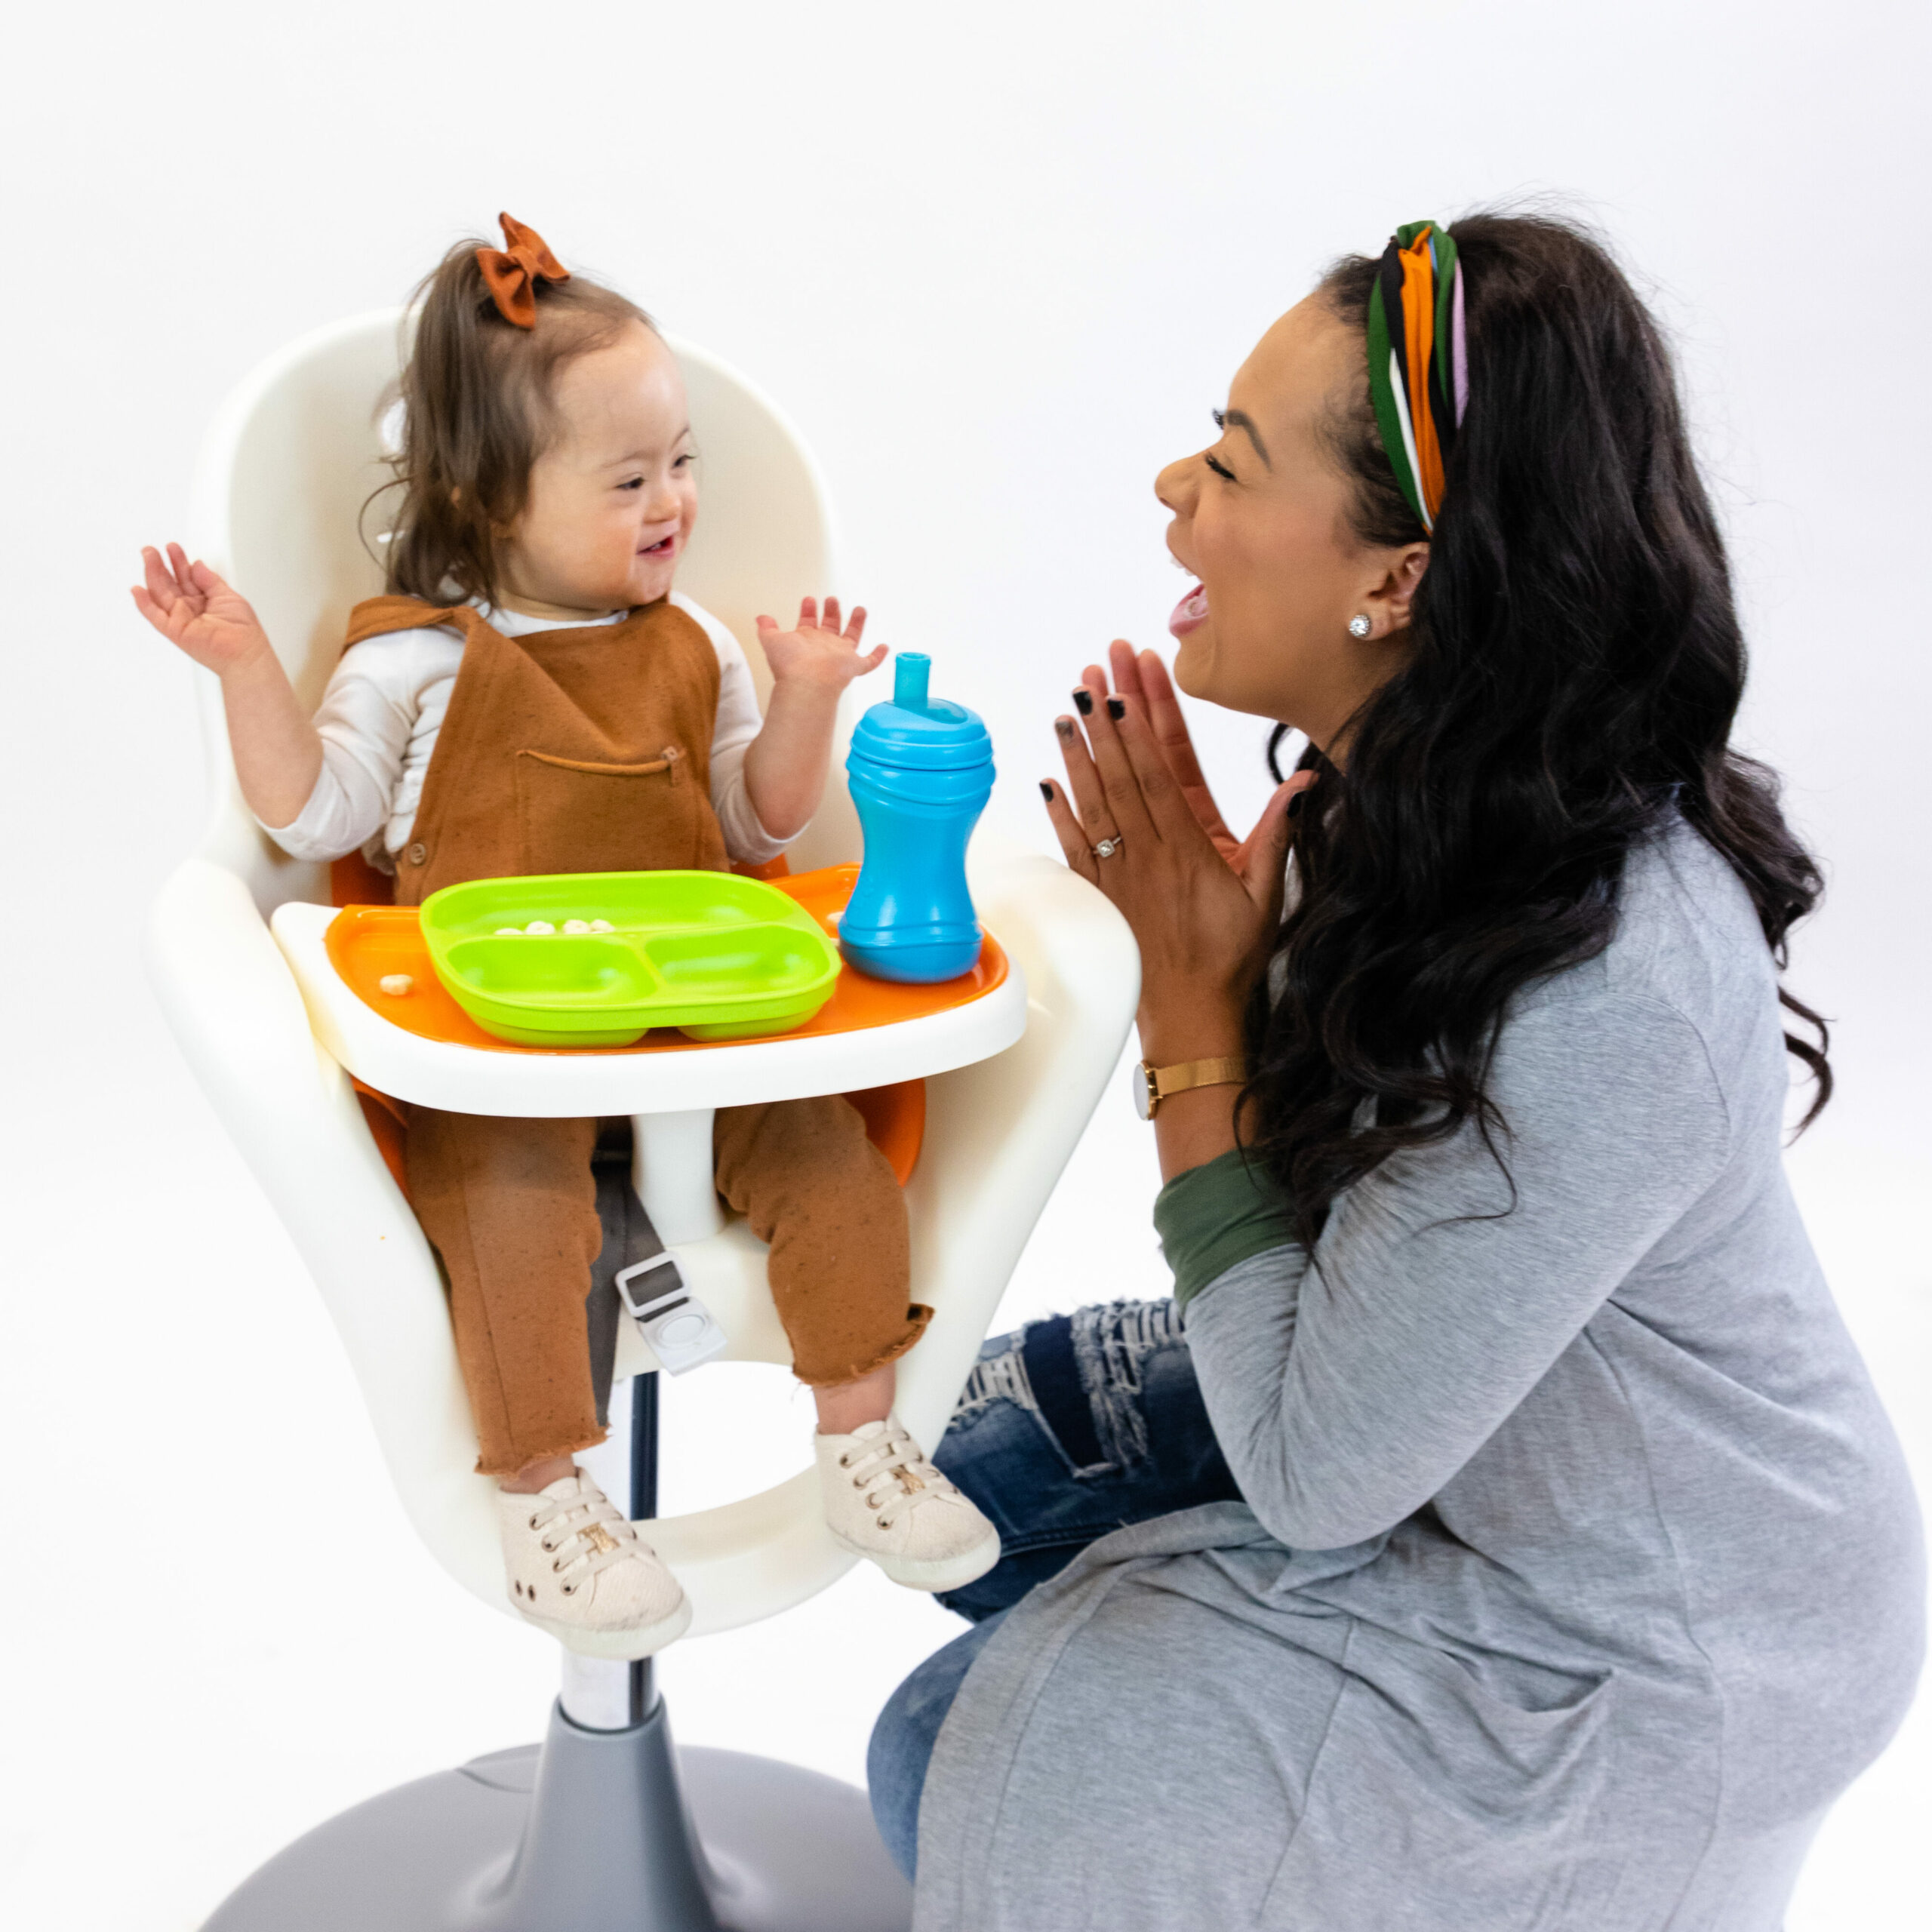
[{"x": 921, "y": 770}]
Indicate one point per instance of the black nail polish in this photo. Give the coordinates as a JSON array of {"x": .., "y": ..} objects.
[
  {"x": 1083, "y": 702},
  {"x": 1046, "y": 791},
  {"x": 1294, "y": 804},
  {"x": 1116, "y": 709},
  {"x": 1064, "y": 726}
]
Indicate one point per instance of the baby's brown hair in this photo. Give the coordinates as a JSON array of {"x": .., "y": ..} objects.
[{"x": 476, "y": 394}]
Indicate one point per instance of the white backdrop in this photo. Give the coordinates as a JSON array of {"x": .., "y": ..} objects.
[{"x": 998, "y": 263}]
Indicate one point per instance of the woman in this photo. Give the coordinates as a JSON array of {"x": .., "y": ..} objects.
[{"x": 1512, "y": 1539}]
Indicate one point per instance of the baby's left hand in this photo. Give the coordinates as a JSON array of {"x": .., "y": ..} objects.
[{"x": 819, "y": 653}]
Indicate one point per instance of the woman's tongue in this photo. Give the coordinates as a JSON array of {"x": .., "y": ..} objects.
[{"x": 1191, "y": 610}]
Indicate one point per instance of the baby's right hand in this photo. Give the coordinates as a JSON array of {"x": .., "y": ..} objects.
[{"x": 195, "y": 611}]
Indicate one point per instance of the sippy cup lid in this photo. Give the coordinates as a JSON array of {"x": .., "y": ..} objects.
[{"x": 920, "y": 731}]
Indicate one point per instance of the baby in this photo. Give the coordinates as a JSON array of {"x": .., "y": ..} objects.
[{"x": 533, "y": 696}]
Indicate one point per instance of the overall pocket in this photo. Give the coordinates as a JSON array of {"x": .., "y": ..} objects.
[{"x": 575, "y": 816}]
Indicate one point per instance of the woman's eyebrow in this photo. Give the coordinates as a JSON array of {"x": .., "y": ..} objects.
[{"x": 1239, "y": 419}]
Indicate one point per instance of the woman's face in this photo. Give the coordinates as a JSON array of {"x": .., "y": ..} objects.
[{"x": 1261, "y": 519}]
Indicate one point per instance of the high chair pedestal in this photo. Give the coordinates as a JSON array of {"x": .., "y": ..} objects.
[
  {"x": 588, "y": 1833},
  {"x": 597, "y": 1830}
]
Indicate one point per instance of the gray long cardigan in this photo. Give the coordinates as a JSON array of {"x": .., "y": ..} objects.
[{"x": 1579, "y": 1570}]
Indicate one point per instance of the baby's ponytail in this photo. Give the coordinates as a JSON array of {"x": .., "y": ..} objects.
[{"x": 492, "y": 330}]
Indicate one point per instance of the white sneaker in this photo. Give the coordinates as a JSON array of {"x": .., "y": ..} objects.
[
  {"x": 885, "y": 1501},
  {"x": 578, "y": 1570}
]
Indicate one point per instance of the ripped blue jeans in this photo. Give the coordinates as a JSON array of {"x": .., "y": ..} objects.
[{"x": 1068, "y": 1428}]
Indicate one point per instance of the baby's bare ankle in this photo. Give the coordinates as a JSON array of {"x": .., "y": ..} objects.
[
  {"x": 538, "y": 1475},
  {"x": 850, "y": 1405}
]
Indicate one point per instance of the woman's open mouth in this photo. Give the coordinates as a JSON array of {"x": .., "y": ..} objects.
[{"x": 1189, "y": 612}]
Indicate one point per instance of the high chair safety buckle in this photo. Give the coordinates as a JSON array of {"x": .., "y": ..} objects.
[{"x": 681, "y": 1331}]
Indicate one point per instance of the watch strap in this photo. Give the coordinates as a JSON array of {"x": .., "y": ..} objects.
[{"x": 1164, "y": 1082}]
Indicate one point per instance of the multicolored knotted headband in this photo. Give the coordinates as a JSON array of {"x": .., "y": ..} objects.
[
  {"x": 1418, "y": 359},
  {"x": 510, "y": 273}
]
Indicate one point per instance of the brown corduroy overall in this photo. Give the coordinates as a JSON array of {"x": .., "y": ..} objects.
[{"x": 588, "y": 749}]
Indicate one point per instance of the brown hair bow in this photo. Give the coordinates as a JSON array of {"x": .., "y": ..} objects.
[{"x": 511, "y": 273}]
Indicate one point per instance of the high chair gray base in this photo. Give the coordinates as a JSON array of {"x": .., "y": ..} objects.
[
  {"x": 591, "y": 1832},
  {"x": 596, "y": 1830}
]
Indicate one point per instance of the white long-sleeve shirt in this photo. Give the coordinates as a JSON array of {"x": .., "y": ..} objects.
[{"x": 385, "y": 702}]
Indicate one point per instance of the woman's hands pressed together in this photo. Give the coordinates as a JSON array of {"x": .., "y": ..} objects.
[{"x": 1204, "y": 906}]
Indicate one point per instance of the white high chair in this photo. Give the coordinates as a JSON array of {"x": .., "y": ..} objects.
[{"x": 605, "y": 1826}]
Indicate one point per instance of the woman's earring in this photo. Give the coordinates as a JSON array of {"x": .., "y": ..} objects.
[{"x": 1359, "y": 627}]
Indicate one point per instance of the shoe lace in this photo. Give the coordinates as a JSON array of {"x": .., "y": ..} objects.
[
  {"x": 584, "y": 1534},
  {"x": 892, "y": 1471}
]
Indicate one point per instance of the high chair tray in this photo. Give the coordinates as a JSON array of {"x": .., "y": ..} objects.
[
  {"x": 422, "y": 1046},
  {"x": 597, "y": 959}
]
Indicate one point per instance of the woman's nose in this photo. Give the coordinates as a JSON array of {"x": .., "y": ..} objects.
[{"x": 1177, "y": 485}]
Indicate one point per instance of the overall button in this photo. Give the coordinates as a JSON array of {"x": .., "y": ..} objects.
[{"x": 417, "y": 853}]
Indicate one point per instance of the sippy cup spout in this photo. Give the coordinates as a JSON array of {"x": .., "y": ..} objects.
[{"x": 912, "y": 672}]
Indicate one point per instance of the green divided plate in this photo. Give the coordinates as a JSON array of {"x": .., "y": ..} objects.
[{"x": 719, "y": 957}]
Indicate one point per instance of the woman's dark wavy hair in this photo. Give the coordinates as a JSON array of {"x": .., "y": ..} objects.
[
  {"x": 1577, "y": 663},
  {"x": 477, "y": 412}
]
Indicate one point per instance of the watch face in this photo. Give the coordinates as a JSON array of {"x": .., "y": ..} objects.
[{"x": 1142, "y": 1077}]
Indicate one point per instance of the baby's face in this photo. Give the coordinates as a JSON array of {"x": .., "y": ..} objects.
[{"x": 612, "y": 501}]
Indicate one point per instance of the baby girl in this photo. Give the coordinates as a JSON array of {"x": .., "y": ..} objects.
[{"x": 533, "y": 696}]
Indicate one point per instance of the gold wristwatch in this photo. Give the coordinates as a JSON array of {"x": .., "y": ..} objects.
[{"x": 1153, "y": 1085}]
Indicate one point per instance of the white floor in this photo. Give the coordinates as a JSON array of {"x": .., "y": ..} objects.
[{"x": 224, "y": 1631}]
